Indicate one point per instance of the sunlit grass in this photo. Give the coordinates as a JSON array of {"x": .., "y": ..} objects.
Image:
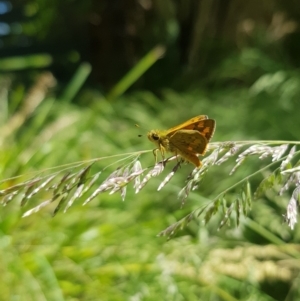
[{"x": 108, "y": 249}]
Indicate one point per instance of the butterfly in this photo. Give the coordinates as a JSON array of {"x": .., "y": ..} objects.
[{"x": 187, "y": 140}]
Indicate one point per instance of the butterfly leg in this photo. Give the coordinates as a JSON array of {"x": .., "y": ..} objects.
[
  {"x": 177, "y": 157},
  {"x": 155, "y": 153}
]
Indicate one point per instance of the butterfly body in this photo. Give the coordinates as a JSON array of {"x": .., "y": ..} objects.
[{"x": 188, "y": 139}]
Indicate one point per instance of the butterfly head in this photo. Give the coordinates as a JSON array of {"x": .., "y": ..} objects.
[{"x": 153, "y": 136}]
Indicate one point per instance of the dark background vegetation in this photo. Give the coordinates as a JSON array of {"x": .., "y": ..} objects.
[{"x": 76, "y": 76}]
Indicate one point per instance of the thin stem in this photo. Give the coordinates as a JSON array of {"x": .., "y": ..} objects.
[
  {"x": 78, "y": 164},
  {"x": 250, "y": 176},
  {"x": 247, "y": 142},
  {"x": 203, "y": 207}
]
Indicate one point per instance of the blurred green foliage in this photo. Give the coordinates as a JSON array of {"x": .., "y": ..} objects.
[{"x": 236, "y": 62}]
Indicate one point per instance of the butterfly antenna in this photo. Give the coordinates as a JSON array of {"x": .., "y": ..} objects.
[{"x": 138, "y": 126}]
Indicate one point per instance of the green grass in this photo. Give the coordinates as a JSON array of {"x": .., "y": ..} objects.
[{"x": 108, "y": 249}]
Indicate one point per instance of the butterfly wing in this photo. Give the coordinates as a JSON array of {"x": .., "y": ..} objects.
[
  {"x": 187, "y": 144},
  {"x": 206, "y": 128},
  {"x": 188, "y": 141},
  {"x": 201, "y": 123},
  {"x": 187, "y": 124}
]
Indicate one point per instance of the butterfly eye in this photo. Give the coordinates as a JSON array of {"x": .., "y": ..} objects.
[{"x": 155, "y": 137}]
